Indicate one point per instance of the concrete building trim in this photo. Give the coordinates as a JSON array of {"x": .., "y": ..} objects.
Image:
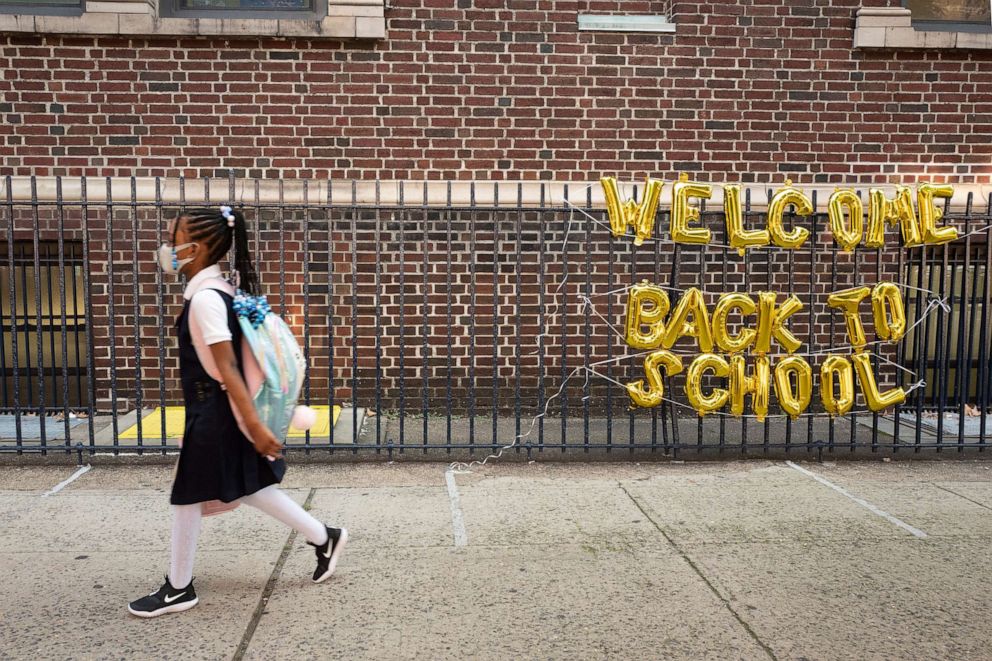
[
  {"x": 344, "y": 19},
  {"x": 891, "y": 28},
  {"x": 386, "y": 193}
]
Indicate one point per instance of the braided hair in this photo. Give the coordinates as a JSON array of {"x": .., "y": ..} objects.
[{"x": 216, "y": 230}]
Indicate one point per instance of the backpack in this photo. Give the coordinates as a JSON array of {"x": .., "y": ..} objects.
[{"x": 274, "y": 367}]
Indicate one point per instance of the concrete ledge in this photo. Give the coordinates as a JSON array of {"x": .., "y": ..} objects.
[
  {"x": 891, "y": 28},
  {"x": 346, "y": 19},
  {"x": 387, "y": 193}
]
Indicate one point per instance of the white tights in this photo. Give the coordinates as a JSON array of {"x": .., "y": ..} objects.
[{"x": 272, "y": 501}]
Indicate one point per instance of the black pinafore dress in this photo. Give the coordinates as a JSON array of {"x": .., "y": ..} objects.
[{"x": 217, "y": 461}]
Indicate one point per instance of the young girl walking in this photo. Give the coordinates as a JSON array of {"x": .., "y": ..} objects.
[{"x": 219, "y": 462}]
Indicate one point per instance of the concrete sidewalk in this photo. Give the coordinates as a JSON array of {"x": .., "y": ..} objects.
[{"x": 755, "y": 560}]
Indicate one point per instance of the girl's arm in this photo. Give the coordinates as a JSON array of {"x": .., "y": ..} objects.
[{"x": 265, "y": 441}]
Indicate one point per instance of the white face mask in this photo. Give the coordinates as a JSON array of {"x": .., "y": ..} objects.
[{"x": 168, "y": 257}]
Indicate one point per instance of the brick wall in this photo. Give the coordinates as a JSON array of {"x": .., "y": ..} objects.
[{"x": 487, "y": 89}]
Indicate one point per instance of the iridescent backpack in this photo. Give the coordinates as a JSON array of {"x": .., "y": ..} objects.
[{"x": 273, "y": 366}]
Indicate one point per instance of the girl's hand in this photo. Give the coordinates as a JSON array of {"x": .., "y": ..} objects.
[{"x": 266, "y": 443}]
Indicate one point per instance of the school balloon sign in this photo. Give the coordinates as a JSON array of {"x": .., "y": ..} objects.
[{"x": 763, "y": 355}]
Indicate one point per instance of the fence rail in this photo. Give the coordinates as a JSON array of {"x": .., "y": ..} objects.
[{"x": 459, "y": 328}]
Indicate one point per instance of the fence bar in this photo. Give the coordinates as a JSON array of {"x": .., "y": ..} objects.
[
  {"x": 983, "y": 353},
  {"x": 854, "y": 409},
  {"x": 160, "y": 303},
  {"x": 964, "y": 335},
  {"x": 587, "y": 323},
  {"x": 354, "y": 315},
  {"x": 39, "y": 335},
  {"x": 111, "y": 308},
  {"x": 307, "y": 221},
  {"x": 919, "y": 346},
  {"x": 564, "y": 334},
  {"x": 135, "y": 291},
  {"x": 943, "y": 348},
  {"x": 518, "y": 229},
  {"x": 12, "y": 282},
  {"x": 473, "y": 330},
  {"x": 378, "y": 324},
  {"x": 331, "y": 331},
  {"x": 495, "y": 262},
  {"x": 610, "y": 286},
  {"x": 541, "y": 311},
  {"x": 404, "y": 218},
  {"x": 60, "y": 210}
]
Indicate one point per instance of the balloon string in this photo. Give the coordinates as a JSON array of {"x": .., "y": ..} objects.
[
  {"x": 587, "y": 304},
  {"x": 465, "y": 467},
  {"x": 894, "y": 364},
  {"x": 555, "y": 306}
]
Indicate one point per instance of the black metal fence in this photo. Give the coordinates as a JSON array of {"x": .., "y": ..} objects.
[{"x": 462, "y": 328}]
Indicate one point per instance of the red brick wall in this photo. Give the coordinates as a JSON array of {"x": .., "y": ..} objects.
[{"x": 489, "y": 89}]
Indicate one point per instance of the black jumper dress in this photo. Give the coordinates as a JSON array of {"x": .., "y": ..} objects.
[{"x": 217, "y": 461}]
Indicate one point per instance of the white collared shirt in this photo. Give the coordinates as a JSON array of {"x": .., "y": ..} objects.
[{"x": 207, "y": 307}]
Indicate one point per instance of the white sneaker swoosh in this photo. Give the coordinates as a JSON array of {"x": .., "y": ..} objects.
[{"x": 169, "y": 600}]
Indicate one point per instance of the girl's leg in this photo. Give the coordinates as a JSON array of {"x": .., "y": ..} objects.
[
  {"x": 185, "y": 530},
  {"x": 278, "y": 505}
]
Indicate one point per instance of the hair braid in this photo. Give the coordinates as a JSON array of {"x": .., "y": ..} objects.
[{"x": 210, "y": 227}]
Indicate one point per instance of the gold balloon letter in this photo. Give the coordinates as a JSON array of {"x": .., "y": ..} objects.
[
  {"x": 793, "y": 400},
  {"x": 776, "y": 209},
  {"x": 757, "y": 386},
  {"x": 881, "y": 210},
  {"x": 877, "y": 401},
  {"x": 930, "y": 214},
  {"x": 841, "y": 367},
  {"x": 652, "y": 316},
  {"x": 654, "y": 363},
  {"x": 640, "y": 216},
  {"x": 694, "y": 383},
  {"x": 890, "y": 327},
  {"x": 771, "y": 323},
  {"x": 680, "y": 326},
  {"x": 848, "y": 301},
  {"x": 847, "y": 237},
  {"x": 683, "y": 213},
  {"x": 723, "y": 339},
  {"x": 739, "y": 237}
]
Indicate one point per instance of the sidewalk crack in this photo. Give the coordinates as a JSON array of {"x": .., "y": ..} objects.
[
  {"x": 702, "y": 576},
  {"x": 951, "y": 491},
  {"x": 270, "y": 585}
]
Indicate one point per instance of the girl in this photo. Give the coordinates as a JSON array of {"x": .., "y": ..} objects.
[{"x": 217, "y": 461}]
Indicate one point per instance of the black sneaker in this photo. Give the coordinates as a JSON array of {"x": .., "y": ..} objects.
[
  {"x": 167, "y": 600},
  {"x": 328, "y": 553}
]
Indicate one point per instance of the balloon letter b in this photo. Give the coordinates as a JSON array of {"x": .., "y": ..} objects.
[{"x": 651, "y": 315}]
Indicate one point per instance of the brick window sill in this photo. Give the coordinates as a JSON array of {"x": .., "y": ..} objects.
[
  {"x": 346, "y": 19},
  {"x": 891, "y": 28}
]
